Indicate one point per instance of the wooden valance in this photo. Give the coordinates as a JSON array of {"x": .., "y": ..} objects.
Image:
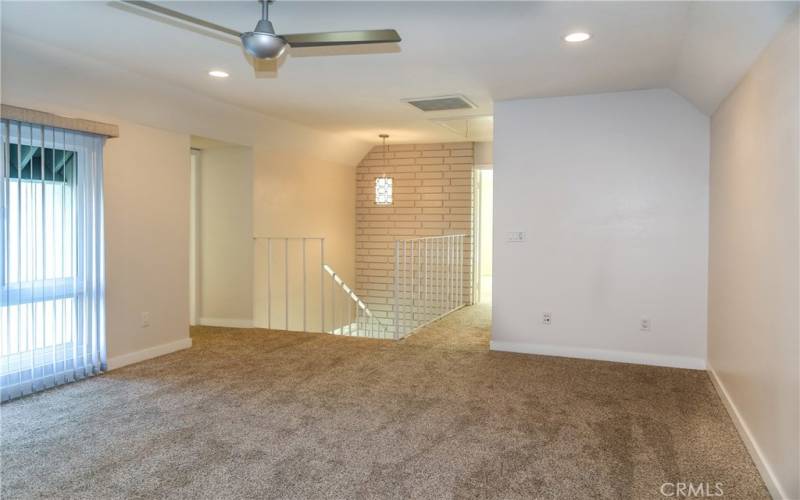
[{"x": 8, "y": 112}]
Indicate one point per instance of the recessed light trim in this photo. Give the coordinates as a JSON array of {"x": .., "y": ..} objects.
[
  {"x": 218, "y": 73},
  {"x": 577, "y": 37}
]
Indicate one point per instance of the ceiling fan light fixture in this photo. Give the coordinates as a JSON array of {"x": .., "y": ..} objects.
[
  {"x": 263, "y": 45},
  {"x": 262, "y": 42}
]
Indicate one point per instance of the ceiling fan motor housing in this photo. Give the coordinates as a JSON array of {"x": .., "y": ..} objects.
[{"x": 262, "y": 42}]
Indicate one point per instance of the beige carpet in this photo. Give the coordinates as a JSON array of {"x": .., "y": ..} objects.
[
  {"x": 467, "y": 329},
  {"x": 259, "y": 414}
]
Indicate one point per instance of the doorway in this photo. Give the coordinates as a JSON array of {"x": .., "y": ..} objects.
[
  {"x": 484, "y": 179},
  {"x": 221, "y": 253}
]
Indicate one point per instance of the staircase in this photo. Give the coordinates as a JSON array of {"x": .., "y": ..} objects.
[{"x": 304, "y": 293}]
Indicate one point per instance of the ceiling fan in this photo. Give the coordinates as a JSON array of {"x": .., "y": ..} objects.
[{"x": 264, "y": 43}]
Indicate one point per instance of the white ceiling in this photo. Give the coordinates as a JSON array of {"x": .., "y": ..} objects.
[{"x": 484, "y": 50}]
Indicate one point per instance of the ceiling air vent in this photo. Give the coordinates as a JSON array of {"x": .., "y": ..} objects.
[{"x": 442, "y": 103}]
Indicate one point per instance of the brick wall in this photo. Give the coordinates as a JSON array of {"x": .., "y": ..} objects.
[{"x": 432, "y": 186}]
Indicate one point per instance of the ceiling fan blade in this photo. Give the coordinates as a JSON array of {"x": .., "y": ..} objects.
[
  {"x": 341, "y": 38},
  {"x": 183, "y": 17}
]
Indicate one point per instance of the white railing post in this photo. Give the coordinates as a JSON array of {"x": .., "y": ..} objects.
[
  {"x": 443, "y": 277},
  {"x": 447, "y": 265},
  {"x": 405, "y": 287},
  {"x": 269, "y": 283},
  {"x": 425, "y": 283},
  {"x": 286, "y": 281},
  {"x": 322, "y": 285},
  {"x": 411, "y": 298},
  {"x": 461, "y": 270},
  {"x": 435, "y": 279},
  {"x": 304, "y": 284},
  {"x": 396, "y": 289},
  {"x": 453, "y": 273}
]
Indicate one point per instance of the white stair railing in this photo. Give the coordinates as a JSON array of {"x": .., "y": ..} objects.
[
  {"x": 428, "y": 281},
  {"x": 303, "y": 293},
  {"x": 354, "y": 317}
]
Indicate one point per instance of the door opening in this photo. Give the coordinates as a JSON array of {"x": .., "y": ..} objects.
[{"x": 484, "y": 188}]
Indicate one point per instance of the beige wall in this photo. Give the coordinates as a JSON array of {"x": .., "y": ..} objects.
[
  {"x": 146, "y": 228},
  {"x": 753, "y": 277},
  {"x": 225, "y": 215},
  {"x": 432, "y": 186}
]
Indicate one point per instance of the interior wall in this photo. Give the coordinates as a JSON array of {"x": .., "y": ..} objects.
[
  {"x": 612, "y": 193},
  {"x": 146, "y": 194},
  {"x": 754, "y": 331},
  {"x": 225, "y": 215}
]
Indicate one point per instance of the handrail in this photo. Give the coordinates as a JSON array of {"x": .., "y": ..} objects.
[
  {"x": 347, "y": 289},
  {"x": 428, "y": 280},
  {"x": 288, "y": 238},
  {"x": 366, "y": 323}
]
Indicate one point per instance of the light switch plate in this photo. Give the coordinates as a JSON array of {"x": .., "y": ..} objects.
[{"x": 516, "y": 237}]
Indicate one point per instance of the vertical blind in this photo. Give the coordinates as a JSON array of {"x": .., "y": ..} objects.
[{"x": 52, "y": 286}]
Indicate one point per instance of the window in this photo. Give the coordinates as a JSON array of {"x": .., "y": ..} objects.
[
  {"x": 51, "y": 258},
  {"x": 39, "y": 271},
  {"x": 383, "y": 190}
]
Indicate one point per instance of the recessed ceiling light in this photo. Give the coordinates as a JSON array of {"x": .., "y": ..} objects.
[
  {"x": 577, "y": 37},
  {"x": 218, "y": 73}
]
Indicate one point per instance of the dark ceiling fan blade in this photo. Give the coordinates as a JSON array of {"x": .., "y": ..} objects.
[
  {"x": 341, "y": 38},
  {"x": 183, "y": 17}
]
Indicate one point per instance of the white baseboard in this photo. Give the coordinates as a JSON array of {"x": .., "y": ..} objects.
[
  {"x": 226, "y": 322},
  {"x": 773, "y": 485},
  {"x": 639, "y": 358},
  {"x": 149, "y": 353}
]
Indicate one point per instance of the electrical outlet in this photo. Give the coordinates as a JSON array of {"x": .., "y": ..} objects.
[
  {"x": 546, "y": 319},
  {"x": 644, "y": 324},
  {"x": 145, "y": 319}
]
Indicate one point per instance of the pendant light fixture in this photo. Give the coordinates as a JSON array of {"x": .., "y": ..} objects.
[{"x": 383, "y": 184}]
